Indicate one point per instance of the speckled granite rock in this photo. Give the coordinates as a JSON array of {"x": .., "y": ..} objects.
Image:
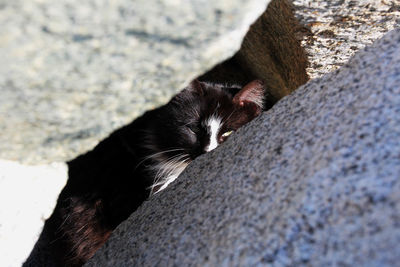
[
  {"x": 313, "y": 181},
  {"x": 336, "y": 29},
  {"x": 73, "y": 71}
]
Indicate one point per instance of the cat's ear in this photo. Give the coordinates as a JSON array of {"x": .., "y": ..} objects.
[
  {"x": 197, "y": 87},
  {"x": 251, "y": 95}
]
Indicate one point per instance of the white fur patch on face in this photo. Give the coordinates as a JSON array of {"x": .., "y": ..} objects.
[{"x": 214, "y": 124}]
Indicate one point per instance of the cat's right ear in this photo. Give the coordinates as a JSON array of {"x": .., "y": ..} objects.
[
  {"x": 250, "y": 98},
  {"x": 251, "y": 94},
  {"x": 197, "y": 87}
]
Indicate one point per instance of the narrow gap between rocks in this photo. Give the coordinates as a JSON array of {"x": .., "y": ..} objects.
[{"x": 270, "y": 51}]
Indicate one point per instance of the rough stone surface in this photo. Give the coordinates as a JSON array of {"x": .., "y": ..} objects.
[
  {"x": 315, "y": 180},
  {"x": 73, "y": 71},
  {"x": 337, "y": 29}
]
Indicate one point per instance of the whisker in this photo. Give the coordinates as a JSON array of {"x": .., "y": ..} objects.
[
  {"x": 170, "y": 162},
  {"x": 224, "y": 120},
  {"x": 156, "y": 154},
  {"x": 163, "y": 169},
  {"x": 167, "y": 170}
]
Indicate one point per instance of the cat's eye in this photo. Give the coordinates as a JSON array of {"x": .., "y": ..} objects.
[
  {"x": 226, "y": 134},
  {"x": 192, "y": 128}
]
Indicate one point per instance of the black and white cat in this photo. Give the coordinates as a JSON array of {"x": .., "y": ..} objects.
[
  {"x": 108, "y": 183},
  {"x": 196, "y": 121}
]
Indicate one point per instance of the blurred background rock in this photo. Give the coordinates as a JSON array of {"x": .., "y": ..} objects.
[{"x": 73, "y": 71}]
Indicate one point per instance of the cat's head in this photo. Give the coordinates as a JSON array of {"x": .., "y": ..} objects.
[
  {"x": 204, "y": 115},
  {"x": 199, "y": 118}
]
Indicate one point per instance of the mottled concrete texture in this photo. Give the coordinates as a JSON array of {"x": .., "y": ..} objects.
[
  {"x": 313, "y": 181},
  {"x": 73, "y": 71},
  {"x": 335, "y": 30}
]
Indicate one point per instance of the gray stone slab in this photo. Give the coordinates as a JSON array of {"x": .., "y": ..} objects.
[
  {"x": 73, "y": 71},
  {"x": 314, "y": 181}
]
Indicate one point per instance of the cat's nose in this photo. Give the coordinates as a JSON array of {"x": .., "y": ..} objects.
[
  {"x": 210, "y": 146},
  {"x": 212, "y": 143}
]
